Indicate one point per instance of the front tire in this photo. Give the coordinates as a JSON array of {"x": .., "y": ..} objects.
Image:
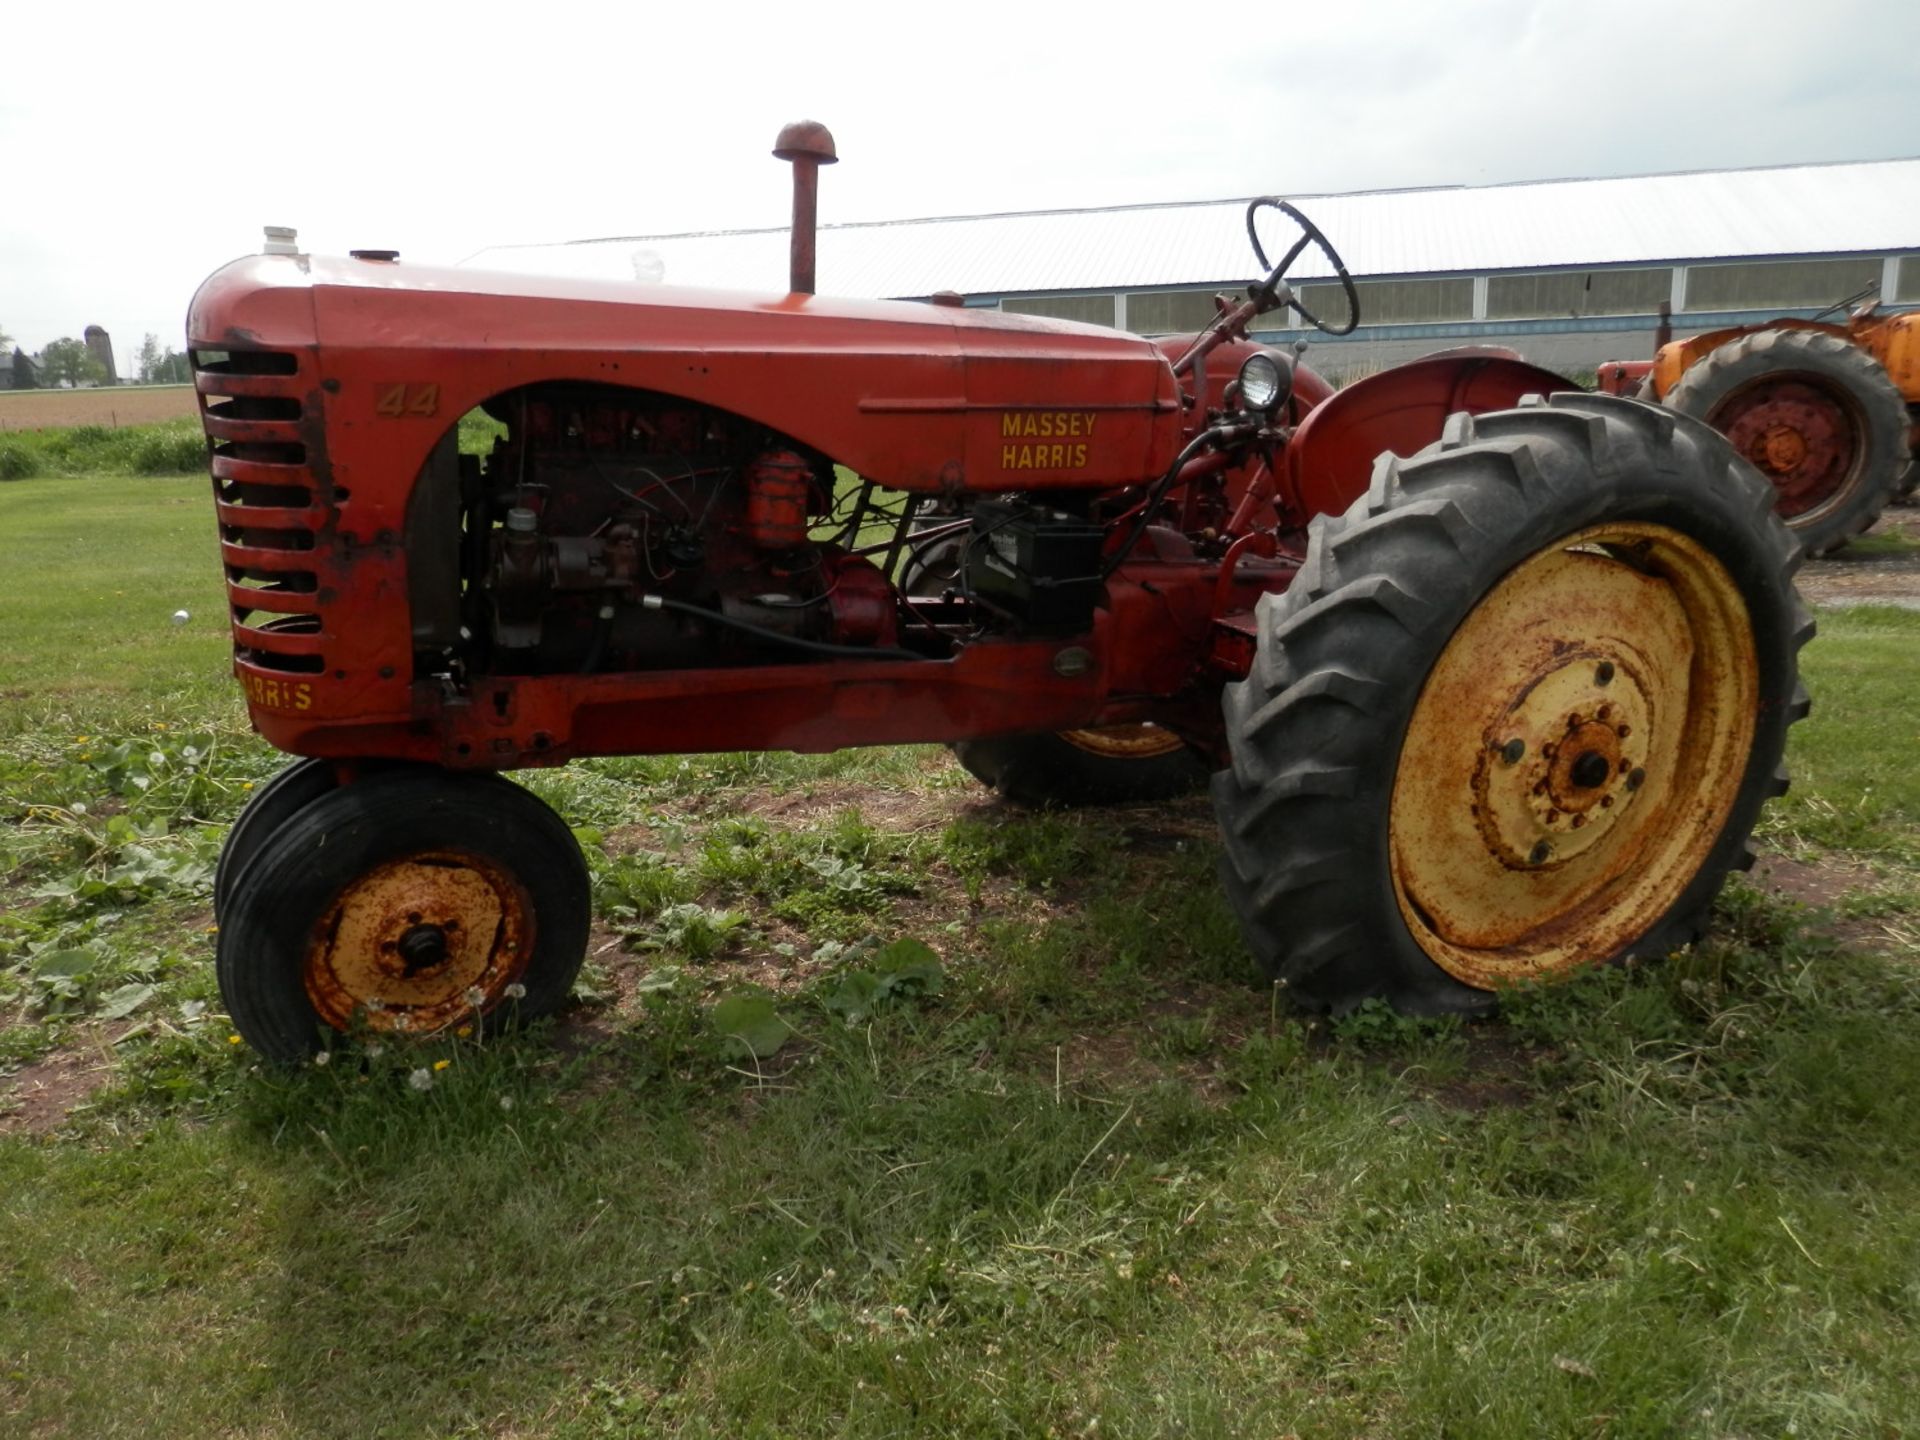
[
  {"x": 409, "y": 902},
  {"x": 1517, "y": 714},
  {"x": 1816, "y": 415}
]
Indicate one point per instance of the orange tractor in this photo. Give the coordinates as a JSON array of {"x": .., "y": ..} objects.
[
  {"x": 1489, "y": 687},
  {"x": 1829, "y": 413}
]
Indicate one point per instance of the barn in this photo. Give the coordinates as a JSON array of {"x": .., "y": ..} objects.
[{"x": 1570, "y": 272}]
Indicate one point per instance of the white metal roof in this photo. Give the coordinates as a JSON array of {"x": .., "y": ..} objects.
[{"x": 1870, "y": 206}]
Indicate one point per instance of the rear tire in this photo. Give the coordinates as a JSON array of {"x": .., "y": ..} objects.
[
  {"x": 1586, "y": 603},
  {"x": 1110, "y": 765},
  {"x": 1816, "y": 415},
  {"x": 1107, "y": 765}
]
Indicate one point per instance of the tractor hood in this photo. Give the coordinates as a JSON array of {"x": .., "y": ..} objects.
[{"x": 917, "y": 396}]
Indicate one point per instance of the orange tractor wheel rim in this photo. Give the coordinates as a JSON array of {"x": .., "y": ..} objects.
[
  {"x": 1803, "y": 436},
  {"x": 1573, "y": 756},
  {"x": 420, "y": 943},
  {"x": 1142, "y": 741}
]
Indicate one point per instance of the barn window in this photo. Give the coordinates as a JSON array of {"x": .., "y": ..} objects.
[
  {"x": 1393, "y": 302},
  {"x": 1778, "y": 284},
  {"x": 1564, "y": 293},
  {"x": 1169, "y": 312},
  {"x": 1091, "y": 309}
]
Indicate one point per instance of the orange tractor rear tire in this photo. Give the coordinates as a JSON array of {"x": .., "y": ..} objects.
[{"x": 1816, "y": 415}]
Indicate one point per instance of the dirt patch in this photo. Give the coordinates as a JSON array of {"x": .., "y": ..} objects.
[
  {"x": 110, "y": 405},
  {"x": 1819, "y": 884},
  {"x": 901, "y": 811},
  {"x": 1869, "y": 574},
  {"x": 37, "y": 1099}
]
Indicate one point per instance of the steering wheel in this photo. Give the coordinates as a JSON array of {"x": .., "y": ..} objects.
[{"x": 1268, "y": 290}]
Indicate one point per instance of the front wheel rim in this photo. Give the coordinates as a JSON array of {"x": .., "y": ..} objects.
[
  {"x": 1573, "y": 756},
  {"x": 420, "y": 943}
]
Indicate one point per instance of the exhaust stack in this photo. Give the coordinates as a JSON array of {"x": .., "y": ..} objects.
[{"x": 808, "y": 145}]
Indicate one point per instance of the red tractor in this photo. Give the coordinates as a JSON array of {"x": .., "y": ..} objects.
[{"x": 1491, "y": 687}]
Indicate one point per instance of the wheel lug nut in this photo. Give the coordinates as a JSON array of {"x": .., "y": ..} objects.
[
  {"x": 1603, "y": 673},
  {"x": 1540, "y": 854},
  {"x": 1636, "y": 778},
  {"x": 1513, "y": 750}
]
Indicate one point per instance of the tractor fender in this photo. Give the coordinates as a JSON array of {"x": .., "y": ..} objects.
[{"x": 1401, "y": 410}]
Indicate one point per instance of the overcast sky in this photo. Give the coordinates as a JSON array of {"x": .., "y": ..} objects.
[{"x": 143, "y": 145}]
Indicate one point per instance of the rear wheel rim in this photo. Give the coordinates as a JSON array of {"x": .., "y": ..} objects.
[
  {"x": 1573, "y": 756},
  {"x": 420, "y": 943},
  {"x": 1142, "y": 741},
  {"x": 1804, "y": 436}
]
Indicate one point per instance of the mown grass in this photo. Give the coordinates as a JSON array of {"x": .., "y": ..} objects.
[{"x": 887, "y": 1110}]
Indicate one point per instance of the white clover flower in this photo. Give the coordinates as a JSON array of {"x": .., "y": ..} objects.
[
  {"x": 325, "y": 1057},
  {"x": 421, "y": 1079},
  {"x": 506, "y": 1102}
]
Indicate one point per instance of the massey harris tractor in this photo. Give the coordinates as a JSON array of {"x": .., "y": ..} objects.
[
  {"x": 1491, "y": 687},
  {"x": 1829, "y": 413}
]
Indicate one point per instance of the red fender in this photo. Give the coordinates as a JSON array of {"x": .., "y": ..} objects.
[{"x": 1401, "y": 410}]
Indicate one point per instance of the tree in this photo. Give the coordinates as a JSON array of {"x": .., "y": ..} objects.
[
  {"x": 24, "y": 377},
  {"x": 156, "y": 366},
  {"x": 68, "y": 361}
]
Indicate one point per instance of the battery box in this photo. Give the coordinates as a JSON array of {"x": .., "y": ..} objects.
[{"x": 1039, "y": 567}]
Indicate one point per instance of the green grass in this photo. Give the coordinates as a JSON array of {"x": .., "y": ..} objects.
[
  {"x": 889, "y": 1111},
  {"x": 171, "y": 447}
]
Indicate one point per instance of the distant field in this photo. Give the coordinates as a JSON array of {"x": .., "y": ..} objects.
[{"x": 108, "y": 405}]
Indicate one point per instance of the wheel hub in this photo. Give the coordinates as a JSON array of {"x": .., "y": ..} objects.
[
  {"x": 1801, "y": 436},
  {"x": 419, "y": 943},
  {"x": 1574, "y": 739}
]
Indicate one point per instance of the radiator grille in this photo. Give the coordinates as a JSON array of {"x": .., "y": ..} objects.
[{"x": 270, "y": 504}]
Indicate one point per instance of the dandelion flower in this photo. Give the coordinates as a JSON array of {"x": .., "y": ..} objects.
[
  {"x": 325, "y": 1057},
  {"x": 476, "y": 997},
  {"x": 233, "y": 1039},
  {"x": 441, "y": 1064},
  {"x": 516, "y": 991},
  {"x": 464, "y": 1031},
  {"x": 506, "y": 1102},
  {"x": 246, "y": 784},
  {"x": 421, "y": 1079}
]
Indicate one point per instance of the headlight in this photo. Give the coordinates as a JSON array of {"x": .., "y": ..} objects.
[{"x": 1265, "y": 380}]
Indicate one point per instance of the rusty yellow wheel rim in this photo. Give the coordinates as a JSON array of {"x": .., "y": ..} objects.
[
  {"x": 420, "y": 943},
  {"x": 1142, "y": 741},
  {"x": 1573, "y": 756}
]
